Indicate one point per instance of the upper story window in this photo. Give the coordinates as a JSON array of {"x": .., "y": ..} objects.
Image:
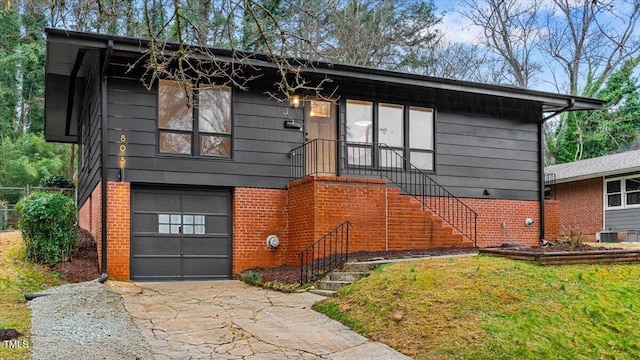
[
  {"x": 179, "y": 105},
  {"x": 407, "y": 130},
  {"x": 623, "y": 192}
]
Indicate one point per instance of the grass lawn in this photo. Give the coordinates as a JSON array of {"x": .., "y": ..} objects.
[
  {"x": 494, "y": 308},
  {"x": 18, "y": 277}
]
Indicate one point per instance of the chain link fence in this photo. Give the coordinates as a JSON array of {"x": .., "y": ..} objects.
[{"x": 9, "y": 197}]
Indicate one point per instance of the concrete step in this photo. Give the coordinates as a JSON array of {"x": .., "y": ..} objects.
[
  {"x": 327, "y": 293},
  {"x": 358, "y": 267},
  {"x": 351, "y": 276},
  {"x": 332, "y": 285}
]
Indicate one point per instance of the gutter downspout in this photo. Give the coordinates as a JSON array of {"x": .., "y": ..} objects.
[
  {"x": 541, "y": 198},
  {"x": 103, "y": 157}
]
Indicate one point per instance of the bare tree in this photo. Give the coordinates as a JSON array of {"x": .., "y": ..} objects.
[
  {"x": 512, "y": 31},
  {"x": 589, "y": 40}
]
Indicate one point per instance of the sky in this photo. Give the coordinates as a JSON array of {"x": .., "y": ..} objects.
[{"x": 457, "y": 28}]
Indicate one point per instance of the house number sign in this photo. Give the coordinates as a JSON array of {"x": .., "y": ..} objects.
[{"x": 123, "y": 149}]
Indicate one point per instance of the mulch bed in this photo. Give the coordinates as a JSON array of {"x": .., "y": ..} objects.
[
  {"x": 560, "y": 248},
  {"x": 83, "y": 266},
  {"x": 288, "y": 274}
]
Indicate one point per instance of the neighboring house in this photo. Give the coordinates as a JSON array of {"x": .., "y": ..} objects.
[
  {"x": 599, "y": 194},
  {"x": 173, "y": 192}
]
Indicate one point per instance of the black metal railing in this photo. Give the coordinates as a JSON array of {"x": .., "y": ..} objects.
[
  {"x": 366, "y": 159},
  {"x": 550, "y": 186},
  {"x": 326, "y": 254}
]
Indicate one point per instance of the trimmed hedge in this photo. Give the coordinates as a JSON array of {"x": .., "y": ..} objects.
[{"x": 47, "y": 223}]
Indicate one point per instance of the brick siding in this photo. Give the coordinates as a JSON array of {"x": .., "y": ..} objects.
[
  {"x": 258, "y": 213},
  {"x": 382, "y": 218},
  {"x": 581, "y": 207}
]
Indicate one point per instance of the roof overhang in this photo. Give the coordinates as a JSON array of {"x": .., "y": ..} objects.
[
  {"x": 612, "y": 173},
  {"x": 67, "y": 69}
]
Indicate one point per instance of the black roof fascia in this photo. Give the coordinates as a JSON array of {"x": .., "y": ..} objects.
[{"x": 551, "y": 102}]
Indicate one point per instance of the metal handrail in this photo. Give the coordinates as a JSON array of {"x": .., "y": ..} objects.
[
  {"x": 550, "y": 186},
  {"x": 326, "y": 254},
  {"x": 368, "y": 159}
]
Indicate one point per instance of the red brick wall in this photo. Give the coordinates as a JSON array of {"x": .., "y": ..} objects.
[
  {"x": 311, "y": 207},
  {"x": 552, "y": 219},
  {"x": 118, "y": 229},
  {"x": 492, "y": 213},
  {"x": 84, "y": 215},
  {"x": 90, "y": 218},
  {"x": 581, "y": 206},
  {"x": 258, "y": 213},
  {"x": 381, "y": 217}
]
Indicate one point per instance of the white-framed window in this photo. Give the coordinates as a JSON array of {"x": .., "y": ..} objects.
[{"x": 623, "y": 192}]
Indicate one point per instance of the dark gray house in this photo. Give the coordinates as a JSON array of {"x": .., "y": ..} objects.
[{"x": 173, "y": 191}]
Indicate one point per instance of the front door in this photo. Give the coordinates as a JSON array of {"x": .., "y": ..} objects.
[{"x": 321, "y": 126}]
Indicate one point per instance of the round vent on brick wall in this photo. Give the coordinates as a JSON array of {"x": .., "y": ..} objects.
[{"x": 273, "y": 241}]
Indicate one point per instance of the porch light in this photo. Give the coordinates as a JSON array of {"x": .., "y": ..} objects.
[{"x": 295, "y": 101}]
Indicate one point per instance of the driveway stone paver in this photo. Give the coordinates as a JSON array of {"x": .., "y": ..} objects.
[{"x": 231, "y": 320}]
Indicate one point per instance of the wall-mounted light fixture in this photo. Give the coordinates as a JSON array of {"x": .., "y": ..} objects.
[
  {"x": 294, "y": 100},
  {"x": 486, "y": 192},
  {"x": 528, "y": 222}
]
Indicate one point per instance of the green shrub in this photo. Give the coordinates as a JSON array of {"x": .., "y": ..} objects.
[
  {"x": 57, "y": 182},
  {"x": 47, "y": 223}
]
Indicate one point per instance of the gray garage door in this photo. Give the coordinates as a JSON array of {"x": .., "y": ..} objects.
[{"x": 180, "y": 234}]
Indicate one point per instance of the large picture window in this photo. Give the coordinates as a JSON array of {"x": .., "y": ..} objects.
[
  {"x": 407, "y": 130},
  {"x": 210, "y": 135},
  {"x": 623, "y": 192}
]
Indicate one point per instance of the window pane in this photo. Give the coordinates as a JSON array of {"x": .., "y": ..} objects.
[
  {"x": 614, "y": 200},
  {"x": 359, "y": 121},
  {"x": 390, "y": 124},
  {"x": 613, "y": 187},
  {"x": 421, "y": 128},
  {"x": 163, "y": 218},
  {"x": 199, "y": 219},
  {"x": 359, "y": 156},
  {"x": 187, "y": 219},
  {"x": 187, "y": 229},
  {"x": 422, "y": 160},
  {"x": 633, "y": 184},
  {"x": 163, "y": 229},
  {"x": 633, "y": 198},
  {"x": 175, "y": 229},
  {"x": 174, "y": 105},
  {"x": 391, "y": 158},
  {"x": 214, "y": 114},
  {"x": 175, "y": 143},
  {"x": 175, "y": 219},
  {"x": 215, "y": 145},
  {"x": 320, "y": 109},
  {"x": 199, "y": 229}
]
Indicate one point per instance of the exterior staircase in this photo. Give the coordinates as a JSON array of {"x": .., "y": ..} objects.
[
  {"x": 415, "y": 223},
  {"x": 350, "y": 273}
]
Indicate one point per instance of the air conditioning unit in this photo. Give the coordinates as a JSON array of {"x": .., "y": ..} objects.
[{"x": 609, "y": 236}]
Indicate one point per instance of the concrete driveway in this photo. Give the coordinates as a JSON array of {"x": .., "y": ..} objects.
[{"x": 231, "y": 320}]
